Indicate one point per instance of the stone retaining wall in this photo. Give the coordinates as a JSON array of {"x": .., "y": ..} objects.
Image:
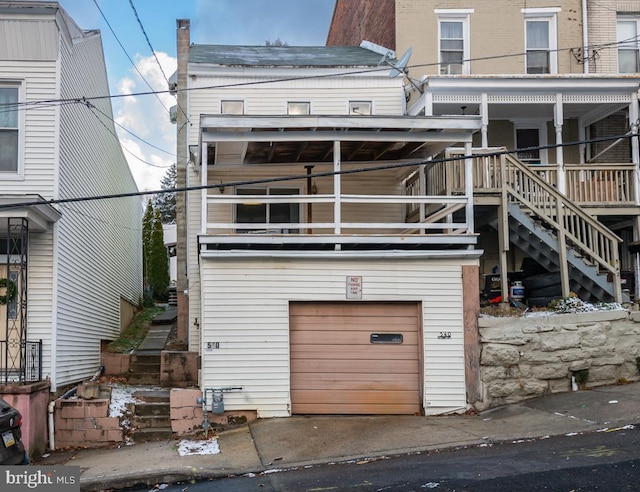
[{"x": 527, "y": 357}]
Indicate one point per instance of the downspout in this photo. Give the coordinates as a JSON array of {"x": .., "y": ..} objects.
[
  {"x": 50, "y": 409},
  {"x": 585, "y": 36}
]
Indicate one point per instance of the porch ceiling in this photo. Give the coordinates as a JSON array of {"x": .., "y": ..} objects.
[
  {"x": 30, "y": 207},
  {"x": 278, "y": 140}
]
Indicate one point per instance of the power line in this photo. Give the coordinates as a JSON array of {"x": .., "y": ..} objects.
[
  {"x": 294, "y": 177},
  {"x": 129, "y": 57}
]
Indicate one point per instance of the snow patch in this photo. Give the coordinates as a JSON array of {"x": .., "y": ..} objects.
[{"x": 189, "y": 447}]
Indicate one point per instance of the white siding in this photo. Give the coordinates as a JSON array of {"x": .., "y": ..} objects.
[
  {"x": 33, "y": 40},
  {"x": 245, "y": 307},
  {"x": 99, "y": 248}
]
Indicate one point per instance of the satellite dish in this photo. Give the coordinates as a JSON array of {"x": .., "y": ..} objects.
[{"x": 400, "y": 66}]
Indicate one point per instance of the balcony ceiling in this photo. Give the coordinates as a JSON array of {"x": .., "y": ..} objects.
[{"x": 281, "y": 140}]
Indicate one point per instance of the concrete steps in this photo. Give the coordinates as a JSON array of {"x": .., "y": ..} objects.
[
  {"x": 151, "y": 420},
  {"x": 145, "y": 369}
]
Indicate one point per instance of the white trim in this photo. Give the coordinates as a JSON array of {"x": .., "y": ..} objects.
[
  {"x": 541, "y": 10},
  {"x": 462, "y": 17},
  {"x": 540, "y": 15},
  {"x": 454, "y": 12},
  {"x": 55, "y": 273},
  {"x": 19, "y": 84},
  {"x": 232, "y": 254},
  {"x": 533, "y": 124}
]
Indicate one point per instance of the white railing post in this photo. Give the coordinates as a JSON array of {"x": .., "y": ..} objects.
[
  {"x": 337, "y": 191},
  {"x": 468, "y": 186}
]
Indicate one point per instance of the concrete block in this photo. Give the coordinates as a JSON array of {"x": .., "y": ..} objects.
[
  {"x": 96, "y": 408},
  {"x": 61, "y": 423},
  {"x": 108, "y": 423},
  {"x": 96, "y": 435},
  {"x": 184, "y": 427},
  {"x": 182, "y": 413},
  {"x": 115, "y": 435},
  {"x": 72, "y": 409},
  {"x": 88, "y": 390},
  {"x": 184, "y": 397}
]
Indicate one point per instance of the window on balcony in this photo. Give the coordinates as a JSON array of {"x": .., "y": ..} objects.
[
  {"x": 453, "y": 40},
  {"x": 232, "y": 107},
  {"x": 541, "y": 41},
  {"x": 628, "y": 45},
  {"x": 267, "y": 213},
  {"x": 362, "y": 108},
  {"x": 9, "y": 129},
  {"x": 298, "y": 108}
]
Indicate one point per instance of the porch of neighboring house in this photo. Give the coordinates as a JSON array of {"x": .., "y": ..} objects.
[{"x": 567, "y": 194}]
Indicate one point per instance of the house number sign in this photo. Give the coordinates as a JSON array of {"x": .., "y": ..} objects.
[{"x": 354, "y": 287}]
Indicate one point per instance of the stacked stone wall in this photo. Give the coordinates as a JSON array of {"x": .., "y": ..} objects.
[
  {"x": 85, "y": 423},
  {"x": 527, "y": 357}
]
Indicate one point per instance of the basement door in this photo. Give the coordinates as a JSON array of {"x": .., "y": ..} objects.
[{"x": 355, "y": 358}]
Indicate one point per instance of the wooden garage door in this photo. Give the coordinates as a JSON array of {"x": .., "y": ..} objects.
[{"x": 338, "y": 368}]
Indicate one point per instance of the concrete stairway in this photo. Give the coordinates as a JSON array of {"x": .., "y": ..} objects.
[
  {"x": 145, "y": 369},
  {"x": 151, "y": 418}
]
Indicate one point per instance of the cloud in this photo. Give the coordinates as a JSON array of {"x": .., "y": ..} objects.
[{"x": 145, "y": 131}]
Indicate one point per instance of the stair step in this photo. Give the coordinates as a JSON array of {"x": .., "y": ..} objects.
[
  {"x": 152, "y": 409},
  {"x": 144, "y": 378},
  {"x": 152, "y": 396},
  {"x": 145, "y": 367},
  {"x": 152, "y": 434},
  {"x": 147, "y": 358},
  {"x": 151, "y": 421}
]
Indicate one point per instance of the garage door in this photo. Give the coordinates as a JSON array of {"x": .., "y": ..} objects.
[{"x": 355, "y": 358}]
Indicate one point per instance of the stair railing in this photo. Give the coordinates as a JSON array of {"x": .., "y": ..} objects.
[{"x": 572, "y": 225}]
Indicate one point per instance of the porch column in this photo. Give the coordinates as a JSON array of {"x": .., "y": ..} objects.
[
  {"x": 468, "y": 188},
  {"x": 635, "y": 148},
  {"x": 337, "y": 191},
  {"x": 558, "y": 121},
  {"x": 484, "y": 113}
]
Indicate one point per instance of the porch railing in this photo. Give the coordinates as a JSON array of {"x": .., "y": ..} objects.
[{"x": 20, "y": 362}]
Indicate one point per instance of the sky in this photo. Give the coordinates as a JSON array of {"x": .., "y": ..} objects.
[{"x": 236, "y": 22}]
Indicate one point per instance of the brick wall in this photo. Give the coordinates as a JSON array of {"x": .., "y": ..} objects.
[
  {"x": 357, "y": 20},
  {"x": 85, "y": 423}
]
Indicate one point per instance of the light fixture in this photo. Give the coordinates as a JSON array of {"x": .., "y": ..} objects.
[{"x": 314, "y": 189}]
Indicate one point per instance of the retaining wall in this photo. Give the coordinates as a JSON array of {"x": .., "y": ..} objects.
[{"x": 527, "y": 357}]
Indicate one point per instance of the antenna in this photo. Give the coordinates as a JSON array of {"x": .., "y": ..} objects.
[{"x": 401, "y": 65}]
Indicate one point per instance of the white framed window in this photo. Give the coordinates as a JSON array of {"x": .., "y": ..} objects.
[
  {"x": 10, "y": 130},
  {"x": 541, "y": 40},
  {"x": 453, "y": 41},
  {"x": 298, "y": 107},
  {"x": 267, "y": 213},
  {"x": 232, "y": 107},
  {"x": 362, "y": 108},
  {"x": 627, "y": 30}
]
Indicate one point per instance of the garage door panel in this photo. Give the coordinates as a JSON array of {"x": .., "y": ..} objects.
[
  {"x": 352, "y": 397},
  {"x": 348, "y": 381},
  {"x": 364, "y": 366},
  {"x": 355, "y": 353},
  {"x": 351, "y": 409},
  {"x": 341, "y": 337},
  {"x": 347, "y": 309},
  {"x": 360, "y": 323}
]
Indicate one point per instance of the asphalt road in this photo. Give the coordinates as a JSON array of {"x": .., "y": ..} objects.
[{"x": 601, "y": 461}]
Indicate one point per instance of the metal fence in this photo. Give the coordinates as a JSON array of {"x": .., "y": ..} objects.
[{"x": 21, "y": 362}]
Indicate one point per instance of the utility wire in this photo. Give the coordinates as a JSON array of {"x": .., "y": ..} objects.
[
  {"x": 156, "y": 93},
  {"x": 294, "y": 177}
]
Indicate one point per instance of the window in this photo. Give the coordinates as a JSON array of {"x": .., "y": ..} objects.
[
  {"x": 628, "y": 45},
  {"x": 529, "y": 134},
  {"x": 360, "y": 108},
  {"x": 267, "y": 213},
  {"x": 298, "y": 108},
  {"x": 541, "y": 40},
  {"x": 9, "y": 129},
  {"x": 232, "y": 107},
  {"x": 453, "y": 36}
]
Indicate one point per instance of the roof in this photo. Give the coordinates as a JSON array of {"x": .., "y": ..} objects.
[{"x": 284, "y": 56}]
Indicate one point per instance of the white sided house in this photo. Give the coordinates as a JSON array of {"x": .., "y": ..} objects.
[
  {"x": 72, "y": 271},
  {"x": 321, "y": 278}
]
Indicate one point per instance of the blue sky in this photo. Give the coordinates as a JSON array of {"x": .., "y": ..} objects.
[{"x": 244, "y": 22}]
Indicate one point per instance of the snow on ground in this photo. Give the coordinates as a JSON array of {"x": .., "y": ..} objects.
[
  {"x": 121, "y": 395},
  {"x": 188, "y": 447}
]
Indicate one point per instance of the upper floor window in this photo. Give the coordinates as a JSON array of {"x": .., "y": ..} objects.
[
  {"x": 541, "y": 40},
  {"x": 628, "y": 45},
  {"x": 298, "y": 108},
  {"x": 453, "y": 39},
  {"x": 267, "y": 213},
  {"x": 362, "y": 108},
  {"x": 9, "y": 129},
  {"x": 232, "y": 107}
]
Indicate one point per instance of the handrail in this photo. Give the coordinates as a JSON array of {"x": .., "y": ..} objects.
[{"x": 584, "y": 233}]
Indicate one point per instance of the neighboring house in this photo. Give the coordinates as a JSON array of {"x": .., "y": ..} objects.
[
  {"x": 75, "y": 268},
  {"x": 559, "y": 82},
  {"x": 170, "y": 241},
  {"x": 312, "y": 288}
]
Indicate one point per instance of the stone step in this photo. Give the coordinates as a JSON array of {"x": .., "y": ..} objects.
[
  {"x": 152, "y": 434},
  {"x": 151, "y": 409},
  {"x": 151, "y": 422},
  {"x": 146, "y": 359},
  {"x": 152, "y": 396},
  {"x": 138, "y": 367},
  {"x": 144, "y": 378}
]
